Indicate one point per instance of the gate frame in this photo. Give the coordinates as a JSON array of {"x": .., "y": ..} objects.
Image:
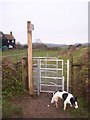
[{"x": 38, "y": 74}]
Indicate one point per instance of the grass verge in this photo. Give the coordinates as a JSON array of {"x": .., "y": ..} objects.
[
  {"x": 82, "y": 111},
  {"x": 9, "y": 111}
]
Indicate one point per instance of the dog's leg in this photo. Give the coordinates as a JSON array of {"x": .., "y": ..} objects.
[
  {"x": 52, "y": 101},
  {"x": 56, "y": 104},
  {"x": 64, "y": 106},
  {"x": 71, "y": 105}
]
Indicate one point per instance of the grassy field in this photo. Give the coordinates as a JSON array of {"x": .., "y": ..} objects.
[
  {"x": 13, "y": 52},
  {"x": 16, "y": 55},
  {"x": 20, "y": 53},
  {"x": 36, "y": 53}
]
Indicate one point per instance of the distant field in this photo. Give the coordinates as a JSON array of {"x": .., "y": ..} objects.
[
  {"x": 20, "y": 53},
  {"x": 45, "y": 53},
  {"x": 36, "y": 53},
  {"x": 13, "y": 52}
]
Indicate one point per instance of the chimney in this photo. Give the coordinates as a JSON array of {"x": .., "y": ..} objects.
[{"x": 10, "y": 32}]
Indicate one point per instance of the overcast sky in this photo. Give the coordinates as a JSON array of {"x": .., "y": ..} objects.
[{"x": 55, "y": 21}]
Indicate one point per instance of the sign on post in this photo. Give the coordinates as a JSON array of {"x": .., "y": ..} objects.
[{"x": 31, "y": 27}]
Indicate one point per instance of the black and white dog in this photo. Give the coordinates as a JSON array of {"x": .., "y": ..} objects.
[{"x": 68, "y": 98}]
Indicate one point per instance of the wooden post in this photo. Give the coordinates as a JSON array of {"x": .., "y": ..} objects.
[
  {"x": 24, "y": 73},
  {"x": 67, "y": 75},
  {"x": 72, "y": 73},
  {"x": 29, "y": 36}
]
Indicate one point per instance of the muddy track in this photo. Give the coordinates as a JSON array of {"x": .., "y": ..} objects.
[{"x": 36, "y": 107}]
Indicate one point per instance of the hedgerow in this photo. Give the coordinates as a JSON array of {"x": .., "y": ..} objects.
[{"x": 11, "y": 78}]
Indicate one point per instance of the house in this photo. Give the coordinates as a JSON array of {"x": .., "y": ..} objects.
[{"x": 7, "y": 40}]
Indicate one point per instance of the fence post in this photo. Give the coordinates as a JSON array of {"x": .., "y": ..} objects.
[
  {"x": 56, "y": 72},
  {"x": 38, "y": 77},
  {"x": 29, "y": 36},
  {"x": 72, "y": 73},
  {"x": 24, "y": 73},
  {"x": 45, "y": 66},
  {"x": 62, "y": 83},
  {"x": 67, "y": 75}
]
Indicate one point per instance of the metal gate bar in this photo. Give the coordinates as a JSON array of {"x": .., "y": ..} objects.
[{"x": 50, "y": 69}]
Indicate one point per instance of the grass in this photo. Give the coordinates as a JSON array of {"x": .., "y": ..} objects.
[
  {"x": 8, "y": 110},
  {"x": 78, "y": 53},
  {"x": 20, "y": 53},
  {"x": 13, "y": 52},
  {"x": 82, "y": 111},
  {"x": 17, "y": 55},
  {"x": 45, "y": 53},
  {"x": 36, "y": 53}
]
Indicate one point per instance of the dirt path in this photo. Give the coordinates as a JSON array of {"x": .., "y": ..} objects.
[{"x": 36, "y": 107}]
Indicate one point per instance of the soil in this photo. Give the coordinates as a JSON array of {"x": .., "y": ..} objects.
[{"x": 40, "y": 107}]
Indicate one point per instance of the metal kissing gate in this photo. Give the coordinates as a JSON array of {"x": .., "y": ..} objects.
[{"x": 50, "y": 74}]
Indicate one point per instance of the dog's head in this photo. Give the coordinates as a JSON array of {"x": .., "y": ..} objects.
[{"x": 73, "y": 101}]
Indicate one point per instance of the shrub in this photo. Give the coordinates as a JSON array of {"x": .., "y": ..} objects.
[
  {"x": 11, "y": 78},
  {"x": 81, "y": 76}
]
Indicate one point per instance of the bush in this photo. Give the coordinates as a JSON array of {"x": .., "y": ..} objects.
[
  {"x": 11, "y": 78},
  {"x": 81, "y": 76}
]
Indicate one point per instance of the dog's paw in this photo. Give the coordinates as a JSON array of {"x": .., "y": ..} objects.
[{"x": 64, "y": 108}]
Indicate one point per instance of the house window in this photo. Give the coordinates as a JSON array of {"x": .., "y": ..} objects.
[{"x": 12, "y": 41}]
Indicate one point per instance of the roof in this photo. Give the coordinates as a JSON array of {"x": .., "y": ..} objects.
[{"x": 9, "y": 36}]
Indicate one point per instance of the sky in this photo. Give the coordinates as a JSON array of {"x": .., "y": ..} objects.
[{"x": 55, "y": 21}]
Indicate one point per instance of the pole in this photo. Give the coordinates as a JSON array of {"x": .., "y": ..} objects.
[
  {"x": 38, "y": 77},
  {"x": 67, "y": 75},
  {"x": 29, "y": 36},
  {"x": 72, "y": 73}
]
